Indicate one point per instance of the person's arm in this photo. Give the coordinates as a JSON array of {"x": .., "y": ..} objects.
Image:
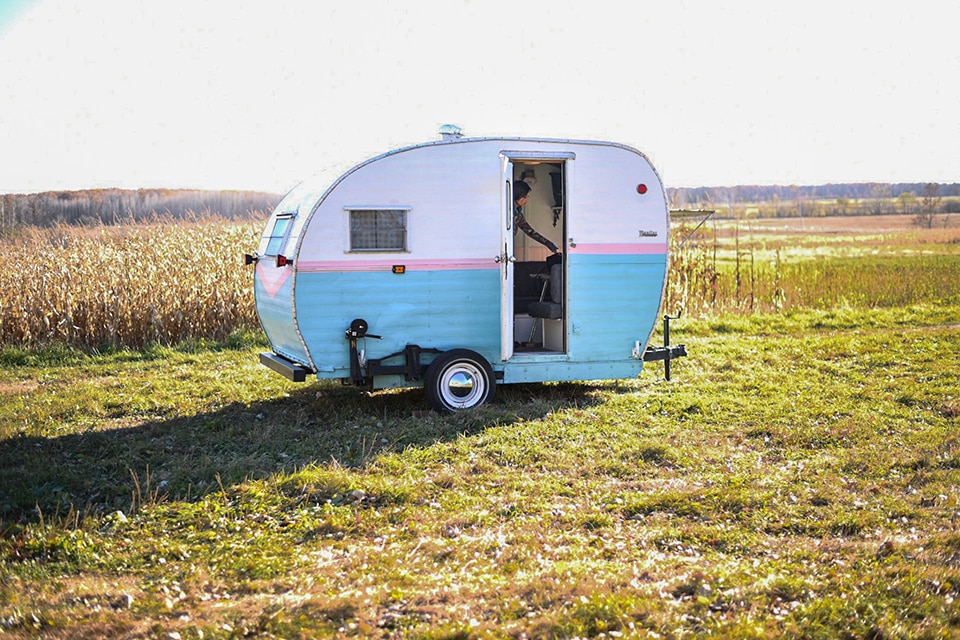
[{"x": 524, "y": 226}]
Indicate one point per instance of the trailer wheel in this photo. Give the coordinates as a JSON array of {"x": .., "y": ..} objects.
[{"x": 459, "y": 379}]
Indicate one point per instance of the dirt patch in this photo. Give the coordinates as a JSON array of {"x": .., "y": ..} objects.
[{"x": 14, "y": 387}]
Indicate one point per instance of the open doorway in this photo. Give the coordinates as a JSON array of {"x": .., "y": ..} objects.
[{"x": 539, "y": 279}]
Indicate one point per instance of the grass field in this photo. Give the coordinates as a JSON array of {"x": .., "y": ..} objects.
[{"x": 798, "y": 477}]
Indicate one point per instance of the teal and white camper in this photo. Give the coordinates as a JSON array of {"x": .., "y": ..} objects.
[{"x": 410, "y": 269}]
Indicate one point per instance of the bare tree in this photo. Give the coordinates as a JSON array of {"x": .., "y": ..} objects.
[{"x": 929, "y": 205}]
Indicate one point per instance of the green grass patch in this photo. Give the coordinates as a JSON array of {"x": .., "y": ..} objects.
[{"x": 796, "y": 477}]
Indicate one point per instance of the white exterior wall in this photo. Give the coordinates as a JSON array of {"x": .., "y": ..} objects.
[
  {"x": 449, "y": 187},
  {"x": 448, "y": 190}
]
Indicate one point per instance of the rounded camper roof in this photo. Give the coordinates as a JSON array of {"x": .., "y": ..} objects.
[{"x": 325, "y": 180}]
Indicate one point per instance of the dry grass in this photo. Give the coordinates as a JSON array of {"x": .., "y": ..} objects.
[
  {"x": 126, "y": 286},
  {"x": 792, "y": 264}
]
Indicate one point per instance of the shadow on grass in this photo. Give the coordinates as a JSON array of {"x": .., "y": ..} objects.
[{"x": 186, "y": 458}]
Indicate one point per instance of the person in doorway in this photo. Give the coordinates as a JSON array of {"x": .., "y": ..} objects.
[{"x": 521, "y": 193}]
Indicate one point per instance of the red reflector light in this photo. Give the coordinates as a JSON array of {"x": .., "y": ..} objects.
[
  {"x": 282, "y": 261},
  {"x": 641, "y": 188}
]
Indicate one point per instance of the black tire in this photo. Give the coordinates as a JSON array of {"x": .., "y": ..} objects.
[{"x": 459, "y": 379}]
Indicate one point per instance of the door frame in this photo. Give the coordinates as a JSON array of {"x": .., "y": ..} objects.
[{"x": 507, "y": 258}]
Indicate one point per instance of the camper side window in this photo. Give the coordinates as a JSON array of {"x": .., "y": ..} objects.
[
  {"x": 277, "y": 235},
  {"x": 378, "y": 230}
]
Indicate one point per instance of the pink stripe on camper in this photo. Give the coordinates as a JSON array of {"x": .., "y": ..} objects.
[{"x": 346, "y": 266}]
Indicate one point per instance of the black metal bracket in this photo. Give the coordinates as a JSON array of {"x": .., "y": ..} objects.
[
  {"x": 668, "y": 351},
  {"x": 356, "y": 330},
  {"x": 411, "y": 369},
  {"x": 289, "y": 369}
]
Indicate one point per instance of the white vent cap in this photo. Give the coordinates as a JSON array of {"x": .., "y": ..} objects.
[{"x": 450, "y": 132}]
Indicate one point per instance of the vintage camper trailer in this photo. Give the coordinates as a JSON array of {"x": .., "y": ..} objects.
[{"x": 410, "y": 269}]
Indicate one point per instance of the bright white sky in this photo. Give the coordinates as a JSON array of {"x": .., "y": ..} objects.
[{"x": 261, "y": 94}]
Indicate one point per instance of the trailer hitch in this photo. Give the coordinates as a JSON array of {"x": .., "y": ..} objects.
[
  {"x": 412, "y": 368},
  {"x": 668, "y": 351}
]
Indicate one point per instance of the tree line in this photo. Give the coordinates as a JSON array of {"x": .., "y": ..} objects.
[
  {"x": 769, "y": 193},
  {"x": 925, "y": 201},
  {"x": 124, "y": 206}
]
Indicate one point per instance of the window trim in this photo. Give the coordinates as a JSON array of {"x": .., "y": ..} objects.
[
  {"x": 405, "y": 210},
  {"x": 282, "y": 239}
]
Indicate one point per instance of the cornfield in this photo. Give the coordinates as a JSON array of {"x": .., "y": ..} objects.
[
  {"x": 126, "y": 286},
  {"x": 130, "y": 286}
]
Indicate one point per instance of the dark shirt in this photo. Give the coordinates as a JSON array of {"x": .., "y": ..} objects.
[{"x": 524, "y": 226}]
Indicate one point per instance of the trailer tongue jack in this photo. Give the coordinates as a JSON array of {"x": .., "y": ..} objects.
[{"x": 668, "y": 351}]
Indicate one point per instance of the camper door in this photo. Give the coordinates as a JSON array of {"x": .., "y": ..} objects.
[{"x": 506, "y": 258}]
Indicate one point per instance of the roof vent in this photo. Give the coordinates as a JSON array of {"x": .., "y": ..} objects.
[{"x": 450, "y": 132}]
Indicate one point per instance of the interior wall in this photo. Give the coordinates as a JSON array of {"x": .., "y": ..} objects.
[{"x": 539, "y": 213}]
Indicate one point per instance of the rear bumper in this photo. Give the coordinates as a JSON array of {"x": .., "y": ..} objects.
[{"x": 287, "y": 368}]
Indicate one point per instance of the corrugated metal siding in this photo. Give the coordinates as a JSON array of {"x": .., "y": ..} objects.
[
  {"x": 614, "y": 301},
  {"x": 276, "y": 317},
  {"x": 435, "y": 309},
  {"x": 538, "y": 369}
]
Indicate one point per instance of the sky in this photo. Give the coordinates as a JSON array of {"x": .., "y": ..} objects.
[{"x": 258, "y": 95}]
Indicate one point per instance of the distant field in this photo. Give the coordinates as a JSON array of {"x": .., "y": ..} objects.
[
  {"x": 777, "y": 265},
  {"x": 848, "y": 224}
]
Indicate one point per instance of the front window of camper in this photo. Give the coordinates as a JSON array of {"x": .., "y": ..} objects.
[
  {"x": 378, "y": 230},
  {"x": 277, "y": 234}
]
